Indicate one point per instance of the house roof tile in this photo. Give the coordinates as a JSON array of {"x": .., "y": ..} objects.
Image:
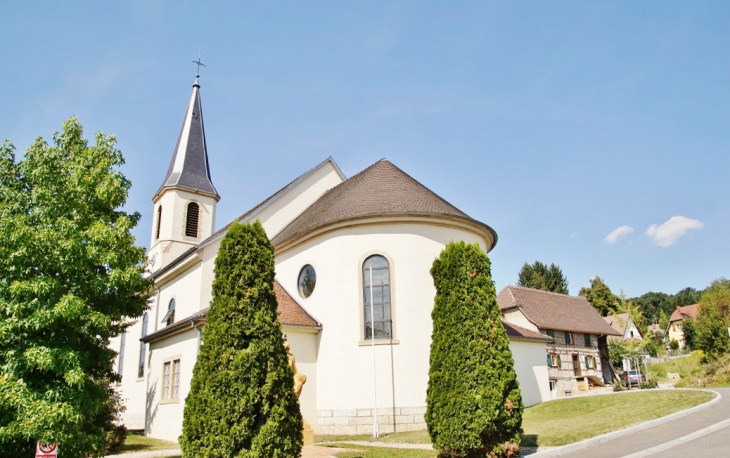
[
  {"x": 688, "y": 311},
  {"x": 550, "y": 310}
]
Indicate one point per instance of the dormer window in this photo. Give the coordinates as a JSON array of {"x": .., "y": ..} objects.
[{"x": 191, "y": 224}]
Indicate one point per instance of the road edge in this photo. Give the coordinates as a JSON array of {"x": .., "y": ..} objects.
[{"x": 632, "y": 429}]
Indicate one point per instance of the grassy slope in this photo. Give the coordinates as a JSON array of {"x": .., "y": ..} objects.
[
  {"x": 695, "y": 374},
  {"x": 570, "y": 420}
]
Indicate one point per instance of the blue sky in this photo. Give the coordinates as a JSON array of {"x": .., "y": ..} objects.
[{"x": 591, "y": 135}]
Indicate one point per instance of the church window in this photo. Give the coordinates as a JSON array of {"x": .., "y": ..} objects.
[
  {"x": 166, "y": 380},
  {"x": 171, "y": 380},
  {"x": 169, "y": 317},
  {"x": 121, "y": 354},
  {"x": 159, "y": 222},
  {"x": 191, "y": 224},
  {"x": 307, "y": 281},
  {"x": 376, "y": 298},
  {"x": 142, "y": 347}
]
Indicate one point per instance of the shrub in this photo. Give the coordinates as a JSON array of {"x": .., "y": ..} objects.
[
  {"x": 649, "y": 384},
  {"x": 116, "y": 437},
  {"x": 474, "y": 407},
  {"x": 619, "y": 386},
  {"x": 242, "y": 402},
  {"x": 674, "y": 345}
]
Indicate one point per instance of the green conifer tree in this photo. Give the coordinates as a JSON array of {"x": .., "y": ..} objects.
[
  {"x": 241, "y": 401},
  {"x": 474, "y": 406}
]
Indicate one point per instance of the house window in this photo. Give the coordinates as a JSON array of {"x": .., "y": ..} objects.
[
  {"x": 551, "y": 333},
  {"x": 568, "y": 338},
  {"x": 560, "y": 364},
  {"x": 169, "y": 317},
  {"x": 588, "y": 340},
  {"x": 553, "y": 360},
  {"x": 121, "y": 354},
  {"x": 678, "y": 326},
  {"x": 142, "y": 347},
  {"x": 191, "y": 224},
  {"x": 159, "y": 221},
  {"x": 588, "y": 362},
  {"x": 376, "y": 298},
  {"x": 171, "y": 380},
  {"x": 549, "y": 359}
]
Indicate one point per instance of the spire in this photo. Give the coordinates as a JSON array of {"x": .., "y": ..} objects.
[{"x": 189, "y": 167}]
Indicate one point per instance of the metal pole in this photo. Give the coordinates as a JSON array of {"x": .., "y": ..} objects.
[{"x": 372, "y": 346}]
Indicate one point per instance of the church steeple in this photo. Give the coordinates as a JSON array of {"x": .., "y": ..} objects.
[
  {"x": 189, "y": 169},
  {"x": 185, "y": 204}
]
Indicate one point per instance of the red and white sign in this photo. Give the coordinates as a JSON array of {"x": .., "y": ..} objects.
[{"x": 46, "y": 450}]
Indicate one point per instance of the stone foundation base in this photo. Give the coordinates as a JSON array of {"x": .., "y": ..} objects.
[{"x": 360, "y": 421}]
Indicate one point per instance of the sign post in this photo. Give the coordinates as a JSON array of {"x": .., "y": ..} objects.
[{"x": 46, "y": 450}]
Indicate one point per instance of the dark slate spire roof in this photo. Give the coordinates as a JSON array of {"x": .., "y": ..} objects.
[
  {"x": 381, "y": 189},
  {"x": 189, "y": 165}
]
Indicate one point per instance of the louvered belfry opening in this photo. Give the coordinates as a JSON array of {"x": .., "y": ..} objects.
[
  {"x": 191, "y": 225},
  {"x": 159, "y": 221}
]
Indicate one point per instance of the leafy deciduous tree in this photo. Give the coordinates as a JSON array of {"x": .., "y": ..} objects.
[
  {"x": 711, "y": 328},
  {"x": 474, "y": 406},
  {"x": 600, "y": 297},
  {"x": 242, "y": 401},
  {"x": 70, "y": 277}
]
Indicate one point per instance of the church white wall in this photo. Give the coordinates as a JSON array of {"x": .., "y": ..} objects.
[
  {"x": 345, "y": 372},
  {"x": 188, "y": 291},
  {"x": 173, "y": 241},
  {"x": 531, "y": 370},
  {"x": 279, "y": 213},
  {"x": 131, "y": 387},
  {"x": 304, "y": 348},
  {"x": 164, "y": 418}
]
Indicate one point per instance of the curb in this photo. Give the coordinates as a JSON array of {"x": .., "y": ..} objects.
[{"x": 630, "y": 430}]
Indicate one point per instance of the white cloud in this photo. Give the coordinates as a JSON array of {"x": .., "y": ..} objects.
[
  {"x": 618, "y": 233},
  {"x": 667, "y": 233}
]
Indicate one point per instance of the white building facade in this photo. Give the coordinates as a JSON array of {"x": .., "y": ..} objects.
[{"x": 352, "y": 259}]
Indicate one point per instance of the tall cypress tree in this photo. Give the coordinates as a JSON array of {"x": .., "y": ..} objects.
[
  {"x": 241, "y": 401},
  {"x": 474, "y": 406}
]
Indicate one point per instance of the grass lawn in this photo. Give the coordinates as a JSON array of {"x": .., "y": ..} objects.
[
  {"x": 571, "y": 420},
  {"x": 137, "y": 443},
  {"x": 382, "y": 452}
]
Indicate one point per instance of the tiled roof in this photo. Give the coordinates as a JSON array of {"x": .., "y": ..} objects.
[
  {"x": 519, "y": 332},
  {"x": 688, "y": 311},
  {"x": 555, "y": 311},
  {"x": 380, "y": 189},
  {"x": 288, "y": 311},
  {"x": 189, "y": 167},
  {"x": 617, "y": 322}
]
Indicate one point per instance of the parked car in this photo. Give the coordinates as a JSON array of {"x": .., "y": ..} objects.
[{"x": 633, "y": 378}]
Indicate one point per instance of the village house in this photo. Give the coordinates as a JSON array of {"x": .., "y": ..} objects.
[
  {"x": 623, "y": 324},
  {"x": 676, "y": 322},
  {"x": 353, "y": 285},
  {"x": 577, "y": 357}
]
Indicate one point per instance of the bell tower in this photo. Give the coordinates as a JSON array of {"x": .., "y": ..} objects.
[{"x": 184, "y": 206}]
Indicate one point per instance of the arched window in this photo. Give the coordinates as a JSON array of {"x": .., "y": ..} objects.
[
  {"x": 376, "y": 298},
  {"x": 191, "y": 225},
  {"x": 142, "y": 347},
  {"x": 169, "y": 317},
  {"x": 159, "y": 222}
]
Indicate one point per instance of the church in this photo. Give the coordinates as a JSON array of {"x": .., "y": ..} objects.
[{"x": 353, "y": 287}]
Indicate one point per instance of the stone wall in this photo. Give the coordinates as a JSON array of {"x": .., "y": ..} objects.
[{"x": 360, "y": 421}]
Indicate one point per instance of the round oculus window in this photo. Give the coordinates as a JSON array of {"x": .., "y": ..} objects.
[{"x": 307, "y": 280}]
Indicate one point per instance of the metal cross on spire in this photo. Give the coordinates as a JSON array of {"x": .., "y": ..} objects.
[{"x": 199, "y": 63}]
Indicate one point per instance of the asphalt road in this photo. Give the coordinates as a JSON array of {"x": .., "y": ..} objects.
[{"x": 715, "y": 444}]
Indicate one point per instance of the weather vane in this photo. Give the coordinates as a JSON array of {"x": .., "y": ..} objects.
[{"x": 199, "y": 63}]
